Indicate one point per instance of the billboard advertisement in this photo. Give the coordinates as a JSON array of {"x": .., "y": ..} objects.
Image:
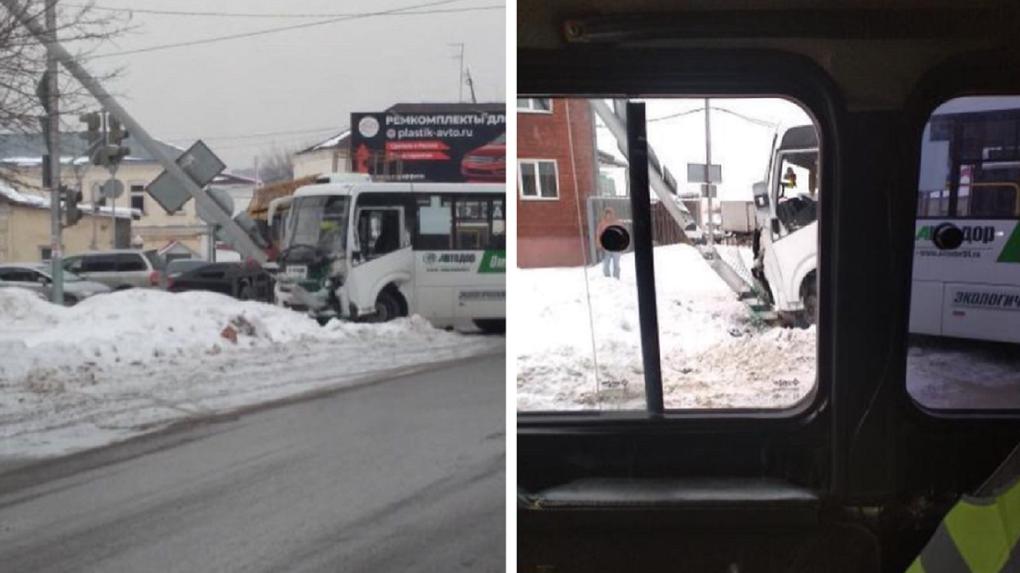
[{"x": 456, "y": 145}]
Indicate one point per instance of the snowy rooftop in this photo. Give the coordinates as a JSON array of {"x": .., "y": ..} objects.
[
  {"x": 41, "y": 200},
  {"x": 341, "y": 139},
  {"x": 27, "y": 149}
]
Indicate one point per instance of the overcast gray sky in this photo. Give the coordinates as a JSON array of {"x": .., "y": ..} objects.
[{"x": 307, "y": 80}]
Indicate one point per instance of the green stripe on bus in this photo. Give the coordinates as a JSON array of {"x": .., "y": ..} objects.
[
  {"x": 493, "y": 262},
  {"x": 1011, "y": 252}
]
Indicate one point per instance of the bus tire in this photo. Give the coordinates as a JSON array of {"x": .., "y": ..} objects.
[
  {"x": 809, "y": 294},
  {"x": 491, "y": 325},
  {"x": 388, "y": 306}
]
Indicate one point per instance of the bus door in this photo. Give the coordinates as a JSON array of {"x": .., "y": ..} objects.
[
  {"x": 793, "y": 229},
  {"x": 380, "y": 253}
]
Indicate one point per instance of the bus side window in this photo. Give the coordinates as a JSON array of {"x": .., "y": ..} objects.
[
  {"x": 434, "y": 228},
  {"x": 497, "y": 238}
]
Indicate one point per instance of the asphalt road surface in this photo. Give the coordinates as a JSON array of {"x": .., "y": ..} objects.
[{"x": 402, "y": 475}]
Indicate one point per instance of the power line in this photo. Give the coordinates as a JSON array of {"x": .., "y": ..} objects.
[
  {"x": 266, "y": 134},
  {"x": 671, "y": 116},
  {"x": 263, "y": 15},
  {"x": 392, "y": 12},
  {"x": 746, "y": 118},
  {"x": 297, "y": 139}
]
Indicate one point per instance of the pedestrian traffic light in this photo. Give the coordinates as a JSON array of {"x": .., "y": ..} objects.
[
  {"x": 94, "y": 123},
  {"x": 72, "y": 197}
]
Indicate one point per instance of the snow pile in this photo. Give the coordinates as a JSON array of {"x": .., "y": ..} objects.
[
  {"x": 122, "y": 363},
  {"x": 134, "y": 326},
  {"x": 580, "y": 344}
]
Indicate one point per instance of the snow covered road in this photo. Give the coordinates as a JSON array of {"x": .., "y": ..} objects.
[{"x": 131, "y": 362}]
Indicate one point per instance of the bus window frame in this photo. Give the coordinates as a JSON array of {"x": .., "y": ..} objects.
[
  {"x": 697, "y": 74},
  {"x": 970, "y": 75}
]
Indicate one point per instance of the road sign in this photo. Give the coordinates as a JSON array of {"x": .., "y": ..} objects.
[
  {"x": 199, "y": 163},
  {"x": 696, "y": 173},
  {"x": 708, "y": 191},
  {"x": 112, "y": 189}
]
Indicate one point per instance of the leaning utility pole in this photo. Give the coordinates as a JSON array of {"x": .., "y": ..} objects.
[
  {"x": 709, "y": 184},
  {"x": 53, "y": 140}
]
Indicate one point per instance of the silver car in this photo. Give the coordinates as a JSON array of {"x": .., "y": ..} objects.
[
  {"x": 118, "y": 269},
  {"x": 36, "y": 277}
]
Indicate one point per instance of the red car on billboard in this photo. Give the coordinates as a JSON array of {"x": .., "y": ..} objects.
[{"x": 487, "y": 163}]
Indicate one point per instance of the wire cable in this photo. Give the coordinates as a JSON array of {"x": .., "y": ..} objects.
[
  {"x": 275, "y": 16},
  {"x": 392, "y": 12}
]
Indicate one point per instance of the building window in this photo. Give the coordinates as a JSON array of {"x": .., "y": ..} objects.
[
  {"x": 138, "y": 197},
  {"x": 534, "y": 105},
  {"x": 45, "y": 253},
  {"x": 538, "y": 180}
]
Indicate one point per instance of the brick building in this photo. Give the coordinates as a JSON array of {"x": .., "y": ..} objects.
[{"x": 556, "y": 173}]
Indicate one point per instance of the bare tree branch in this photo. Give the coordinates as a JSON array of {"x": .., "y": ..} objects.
[
  {"x": 276, "y": 165},
  {"x": 82, "y": 29}
]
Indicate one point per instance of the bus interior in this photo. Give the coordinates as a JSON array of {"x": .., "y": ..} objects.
[{"x": 857, "y": 473}]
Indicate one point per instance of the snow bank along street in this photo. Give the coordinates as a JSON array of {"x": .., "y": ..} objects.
[
  {"x": 124, "y": 363},
  {"x": 714, "y": 353}
]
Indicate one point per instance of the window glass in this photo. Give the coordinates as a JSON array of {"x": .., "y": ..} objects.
[
  {"x": 965, "y": 289},
  {"x": 435, "y": 223},
  {"x": 379, "y": 231},
  {"x": 480, "y": 223},
  {"x": 129, "y": 262},
  {"x": 99, "y": 264},
  {"x": 534, "y": 104},
  {"x": 538, "y": 179},
  {"x": 735, "y": 281},
  {"x": 138, "y": 197}
]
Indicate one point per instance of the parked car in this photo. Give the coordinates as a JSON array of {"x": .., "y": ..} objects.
[
  {"x": 237, "y": 279},
  {"x": 118, "y": 269},
  {"x": 487, "y": 163},
  {"x": 37, "y": 278},
  {"x": 177, "y": 267}
]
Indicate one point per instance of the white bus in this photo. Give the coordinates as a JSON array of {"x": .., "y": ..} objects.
[
  {"x": 377, "y": 251},
  {"x": 966, "y": 281},
  {"x": 966, "y": 275}
]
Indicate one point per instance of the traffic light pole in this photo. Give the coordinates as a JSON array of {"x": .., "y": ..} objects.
[
  {"x": 53, "y": 138},
  {"x": 235, "y": 233}
]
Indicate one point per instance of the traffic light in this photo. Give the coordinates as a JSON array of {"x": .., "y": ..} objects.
[
  {"x": 94, "y": 123},
  {"x": 117, "y": 132},
  {"x": 109, "y": 155},
  {"x": 72, "y": 197}
]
